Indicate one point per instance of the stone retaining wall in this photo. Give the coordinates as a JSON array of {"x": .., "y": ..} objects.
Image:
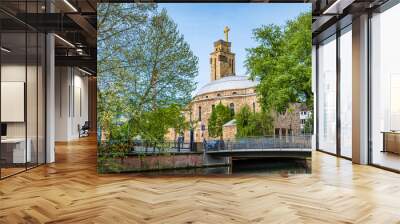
[{"x": 135, "y": 163}]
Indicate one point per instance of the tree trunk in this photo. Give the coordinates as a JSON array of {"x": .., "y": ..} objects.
[{"x": 153, "y": 86}]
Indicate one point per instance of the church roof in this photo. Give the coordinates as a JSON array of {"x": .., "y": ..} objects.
[{"x": 227, "y": 83}]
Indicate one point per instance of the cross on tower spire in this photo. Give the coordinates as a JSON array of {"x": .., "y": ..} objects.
[{"x": 226, "y": 31}]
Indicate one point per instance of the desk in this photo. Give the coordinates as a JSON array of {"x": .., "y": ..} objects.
[
  {"x": 13, "y": 150},
  {"x": 391, "y": 141}
]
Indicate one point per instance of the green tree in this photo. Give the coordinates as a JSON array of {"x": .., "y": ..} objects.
[
  {"x": 309, "y": 125},
  {"x": 155, "y": 123},
  {"x": 177, "y": 120},
  {"x": 291, "y": 116},
  {"x": 144, "y": 67},
  {"x": 219, "y": 116},
  {"x": 253, "y": 124},
  {"x": 264, "y": 123},
  {"x": 244, "y": 122},
  {"x": 282, "y": 62}
]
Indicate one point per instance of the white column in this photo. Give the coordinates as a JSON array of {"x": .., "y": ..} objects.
[
  {"x": 50, "y": 101},
  {"x": 360, "y": 90},
  {"x": 313, "y": 89}
]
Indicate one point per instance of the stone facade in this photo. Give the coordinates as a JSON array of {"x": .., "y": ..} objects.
[
  {"x": 201, "y": 108},
  {"x": 229, "y": 130}
]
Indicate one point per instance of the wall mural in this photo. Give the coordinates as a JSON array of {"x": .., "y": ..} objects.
[{"x": 197, "y": 89}]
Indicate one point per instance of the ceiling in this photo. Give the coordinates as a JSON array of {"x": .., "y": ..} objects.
[
  {"x": 329, "y": 15},
  {"x": 73, "y": 21}
]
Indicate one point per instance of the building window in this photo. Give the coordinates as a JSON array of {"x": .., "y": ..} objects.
[
  {"x": 254, "y": 107},
  {"x": 385, "y": 89},
  {"x": 345, "y": 83},
  {"x": 212, "y": 107},
  {"x": 327, "y": 95},
  {"x": 218, "y": 94},
  {"x": 232, "y": 108},
  {"x": 234, "y": 93},
  {"x": 199, "y": 113}
]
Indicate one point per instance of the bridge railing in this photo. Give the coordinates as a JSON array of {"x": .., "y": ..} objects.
[
  {"x": 262, "y": 143},
  {"x": 145, "y": 146}
]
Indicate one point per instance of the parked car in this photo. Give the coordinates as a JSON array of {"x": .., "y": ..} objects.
[{"x": 214, "y": 145}]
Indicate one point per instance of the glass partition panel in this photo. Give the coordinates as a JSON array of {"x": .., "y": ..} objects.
[
  {"x": 385, "y": 89},
  {"x": 327, "y": 95},
  {"x": 346, "y": 92},
  {"x": 31, "y": 98},
  {"x": 22, "y": 66},
  {"x": 41, "y": 98},
  {"x": 14, "y": 153}
]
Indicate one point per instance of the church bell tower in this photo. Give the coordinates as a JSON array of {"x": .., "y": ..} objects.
[{"x": 222, "y": 60}]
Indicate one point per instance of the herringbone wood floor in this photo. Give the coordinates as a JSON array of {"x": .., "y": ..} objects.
[{"x": 70, "y": 191}]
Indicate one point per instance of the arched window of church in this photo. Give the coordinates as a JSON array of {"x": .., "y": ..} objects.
[
  {"x": 212, "y": 107},
  {"x": 232, "y": 108},
  {"x": 199, "y": 113},
  {"x": 254, "y": 107},
  {"x": 234, "y": 93}
]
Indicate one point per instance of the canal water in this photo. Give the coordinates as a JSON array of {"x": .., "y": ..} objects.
[{"x": 264, "y": 166}]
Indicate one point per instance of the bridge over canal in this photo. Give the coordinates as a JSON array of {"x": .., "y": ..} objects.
[{"x": 285, "y": 147}]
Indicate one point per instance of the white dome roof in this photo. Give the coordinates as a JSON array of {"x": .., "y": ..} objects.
[{"x": 227, "y": 83}]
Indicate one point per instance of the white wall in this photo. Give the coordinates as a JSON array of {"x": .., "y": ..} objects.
[
  {"x": 62, "y": 82},
  {"x": 10, "y": 73},
  {"x": 33, "y": 126},
  {"x": 71, "y": 94},
  {"x": 16, "y": 73}
]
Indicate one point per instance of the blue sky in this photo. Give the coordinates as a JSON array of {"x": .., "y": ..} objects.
[{"x": 202, "y": 24}]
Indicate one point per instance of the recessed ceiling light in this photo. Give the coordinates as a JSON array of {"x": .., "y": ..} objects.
[
  {"x": 84, "y": 71},
  {"x": 70, "y": 5},
  {"x": 338, "y": 6},
  {"x": 65, "y": 41},
  {"x": 5, "y": 50}
]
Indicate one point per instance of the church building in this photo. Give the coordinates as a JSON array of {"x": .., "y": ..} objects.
[
  {"x": 226, "y": 87},
  {"x": 233, "y": 91}
]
